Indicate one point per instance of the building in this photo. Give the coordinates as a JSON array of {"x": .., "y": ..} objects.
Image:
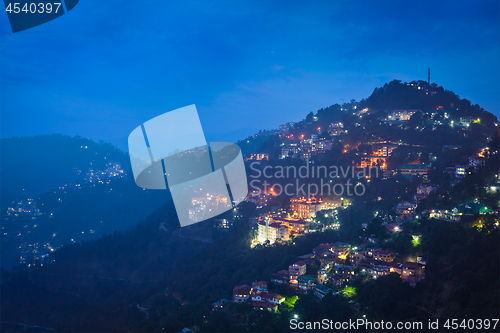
[
  {"x": 335, "y": 129},
  {"x": 258, "y": 157},
  {"x": 220, "y": 304},
  {"x": 294, "y": 225},
  {"x": 336, "y": 281},
  {"x": 322, "y": 251},
  {"x": 444, "y": 215},
  {"x": 325, "y": 145},
  {"x": 460, "y": 171},
  {"x": 476, "y": 161},
  {"x": 306, "y": 283},
  {"x": 377, "y": 268},
  {"x": 320, "y": 290},
  {"x": 321, "y": 276},
  {"x": 341, "y": 250},
  {"x": 411, "y": 170},
  {"x": 382, "y": 255},
  {"x": 345, "y": 271},
  {"x": 223, "y": 224},
  {"x": 305, "y": 208},
  {"x": 425, "y": 190},
  {"x": 356, "y": 257},
  {"x": 413, "y": 272},
  {"x": 401, "y": 115},
  {"x": 406, "y": 209},
  {"x": 259, "y": 286},
  {"x": 281, "y": 277},
  {"x": 265, "y": 306},
  {"x": 291, "y": 150},
  {"x": 472, "y": 208},
  {"x": 272, "y": 231},
  {"x": 373, "y": 161},
  {"x": 391, "y": 227},
  {"x": 466, "y": 121},
  {"x": 294, "y": 271},
  {"x": 286, "y": 127},
  {"x": 384, "y": 149},
  {"x": 241, "y": 293}
]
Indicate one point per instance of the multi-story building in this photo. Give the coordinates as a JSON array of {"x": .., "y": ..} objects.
[
  {"x": 259, "y": 287},
  {"x": 341, "y": 250},
  {"x": 272, "y": 231},
  {"x": 411, "y": 170},
  {"x": 320, "y": 290},
  {"x": 382, "y": 255},
  {"x": 406, "y": 208},
  {"x": 401, "y": 115},
  {"x": 325, "y": 145},
  {"x": 291, "y": 150},
  {"x": 356, "y": 257},
  {"x": 258, "y": 157},
  {"x": 305, "y": 208},
  {"x": 295, "y": 226},
  {"x": 281, "y": 277},
  {"x": 373, "y": 161},
  {"x": 223, "y": 224},
  {"x": 413, "y": 272},
  {"x": 306, "y": 283},
  {"x": 476, "y": 161},
  {"x": 377, "y": 268},
  {"x": 460, "y": 171},
  {"x": 294, "y": 271},
  {"x": 335, "y": 129}
]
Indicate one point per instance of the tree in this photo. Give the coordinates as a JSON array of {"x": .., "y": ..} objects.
[{"x": 309, "y": 117}]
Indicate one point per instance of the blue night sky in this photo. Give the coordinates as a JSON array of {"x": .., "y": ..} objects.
[{"x": 107, "y": 66}]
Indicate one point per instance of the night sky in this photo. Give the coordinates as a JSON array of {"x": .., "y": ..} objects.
[{"x": 107, "y": 66}]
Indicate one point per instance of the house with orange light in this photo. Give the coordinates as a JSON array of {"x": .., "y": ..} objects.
[
  {"x": 382, "y": 255},
  {"x": 306, "y": 207},
  {"x": 406, "y": 209},
  {"x": 294, "y": 271},
  {"x": 412, "y": 170},
  {"x": 258, "y": 157},
  {"x": 413, "y": 272},
  {"x": 241, "y": 293},
  {"x": 341, "y": 250}
]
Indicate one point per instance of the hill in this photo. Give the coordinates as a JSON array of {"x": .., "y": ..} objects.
[
  {"x": 155, "y": 278},
  {"x": 57, "y": 190}
]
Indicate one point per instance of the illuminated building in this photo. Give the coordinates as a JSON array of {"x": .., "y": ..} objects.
[
  {"x": 411, "y": 170},
  {"x": 258, "y": 157},
  {"x": 460, "y": 171},
  {"x": 272, "y": 231},
  {"x": 382, "y": 255},
  {"x": 413, "y": 272},
  {"x": 306, "y": 283},
  {"x": 294, "y": 271},
  {"x": 305, "y": 208},
  {"x": 401, "y": 115},
  {"x": 335, "y": 129},
  {"x": 341, "y": 250},
  {"x": 295, "y": 226}
]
